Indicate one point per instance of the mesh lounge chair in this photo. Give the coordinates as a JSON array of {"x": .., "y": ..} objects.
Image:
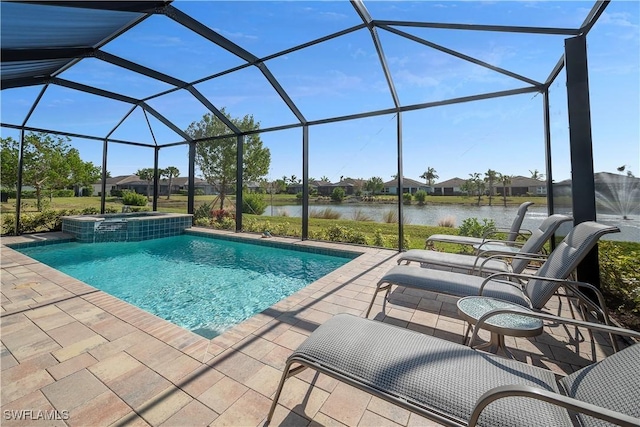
[
  {"x": 457, "y": 386},
  {"x": 532, "y": 291},
  {"x": 498, "y": 261},
  {"x": 512, "y": 235}
]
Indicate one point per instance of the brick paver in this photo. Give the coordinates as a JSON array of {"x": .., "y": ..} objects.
[{"x": 69, "y": 347}]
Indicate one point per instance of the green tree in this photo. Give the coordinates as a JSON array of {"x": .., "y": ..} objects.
[
  {"x": 83, "y": 174},
  {"x": 49, "y": 163},
  {"x": 216, "y": 158},
  {"x": 430, "y": 176},
  {"x": 170, "y": 172},
  {"x": 146, "y": 174},
  {"x": 324, "y": 178},
  {"x": 505, "y": 180},
  {"x": 490, "y": 177},
  {"x": 375, "y": 185},
  {"x": 9, "y": 152}
]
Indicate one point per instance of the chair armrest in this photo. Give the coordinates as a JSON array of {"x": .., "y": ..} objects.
[
  {"x": 507, "y": 255},
  {"x": 523, "y": 232},
  {"x": 607, "y": 328},
  {"x": 557, "y": 399}
]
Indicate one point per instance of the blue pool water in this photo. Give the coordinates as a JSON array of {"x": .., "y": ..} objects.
[{"x": 203, "y": 284}]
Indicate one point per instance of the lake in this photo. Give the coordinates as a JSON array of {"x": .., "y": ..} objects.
[{"x": 432, "y": 214}]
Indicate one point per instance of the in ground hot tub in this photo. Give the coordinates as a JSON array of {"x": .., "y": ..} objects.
[{"x": 125, "y": 227}]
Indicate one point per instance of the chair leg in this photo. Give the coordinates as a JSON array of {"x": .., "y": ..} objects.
[
  {"x": 285, "y": 374},
  {"x": 379, "y": 288}
]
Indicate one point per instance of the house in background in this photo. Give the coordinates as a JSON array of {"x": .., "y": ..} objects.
[
  {"x": 409, "y": 185},
  {"x": 114, "y": 183},
  {"x": 522, "y": 186},
  {"x": 134, "y": 183},
  {"x": 450, "y": 187}
]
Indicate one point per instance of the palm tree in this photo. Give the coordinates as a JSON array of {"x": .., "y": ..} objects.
[
  {"x": 146, "y": 174},
  {"x": 536, "y": 175},
  {"x": 430, "y": 176},
  {"x": 490, "y": 177},
  {"x": 170, "y": 172},
  {"x": 505, "y": 180},
  {"x": 324, "y": 178},
  {"x": 476, "y": 183}
]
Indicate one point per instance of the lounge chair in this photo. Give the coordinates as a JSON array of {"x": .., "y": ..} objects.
[
  {"x": 498, "y": 261},
  {"x": 455, "y": 385},
  {"x": 512, "y": 233},
  {"x": 532, "y": 291}
]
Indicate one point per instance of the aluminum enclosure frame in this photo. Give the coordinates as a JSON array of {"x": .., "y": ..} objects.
[{"x": 148, "y": 9}]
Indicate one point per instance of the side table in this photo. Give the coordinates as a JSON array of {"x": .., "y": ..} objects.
[{"x": 473, "y": 307}]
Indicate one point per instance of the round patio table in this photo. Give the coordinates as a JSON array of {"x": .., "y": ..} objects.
[{"x": 474, "y": 307}]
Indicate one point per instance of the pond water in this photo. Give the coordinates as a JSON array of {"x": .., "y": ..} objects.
[{"x": 432, "y": 214}]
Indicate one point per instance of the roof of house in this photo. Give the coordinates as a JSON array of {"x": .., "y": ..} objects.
[
  {"x": 407, "y": 182},
  {"x": 453, "y": 182},
  {"x": 523, "y": 181}
]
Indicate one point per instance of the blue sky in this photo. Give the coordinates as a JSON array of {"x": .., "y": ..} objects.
[{"x": 343, "y": 76}]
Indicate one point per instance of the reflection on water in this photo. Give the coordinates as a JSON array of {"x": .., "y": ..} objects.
[{"x": 432, "y": 214}]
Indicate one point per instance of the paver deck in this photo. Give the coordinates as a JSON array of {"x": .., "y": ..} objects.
[{"x": 73, "y": 355}]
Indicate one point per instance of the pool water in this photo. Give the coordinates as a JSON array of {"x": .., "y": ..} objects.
[{"x": 206, "y": 285}]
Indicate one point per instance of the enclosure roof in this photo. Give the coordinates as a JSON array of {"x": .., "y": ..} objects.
[
  {"x": 45, "y": 42},
  {"x": 40, "y": 39}
]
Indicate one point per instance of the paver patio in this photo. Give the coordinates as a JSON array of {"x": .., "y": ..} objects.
[{"x": 89, "y": 359}]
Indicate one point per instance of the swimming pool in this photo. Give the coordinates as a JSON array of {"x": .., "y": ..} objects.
[{"x": 203, "y": 284}]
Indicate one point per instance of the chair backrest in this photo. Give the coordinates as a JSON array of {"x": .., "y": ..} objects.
[
  {"x": 613, "y": 383},
  {"x": 517, "y": 221},
  {"x": 538, "y": 238},
  {"x": 564, "y": 259}
]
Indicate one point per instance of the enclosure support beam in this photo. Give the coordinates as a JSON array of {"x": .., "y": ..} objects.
[
  {"x": 103, "y": 182},
  {"x": 239, "y": 181},
  {"x": 19, "y": 184},
  {"x": 156, "y": 177},
  {"x": 400, "y": 186},
  {"x": 547, "y": 148},
  {"x": 582, "y": 180},
  {"x": 305, "y": 182},
  {"x": 547, "y": 155},
  {"x": 192, "y": 178}
]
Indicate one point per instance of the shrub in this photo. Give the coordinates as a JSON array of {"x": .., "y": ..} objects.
[
  {"x": 253, "y": 203},
  {"x": 220, "y": 215},
  {"x": 326, "y": 213},
  {"x": 407, "y": 197},
  {"x": 224, "y": 223},
  {"x": 109, "y": 209},
  {"x": 132, "y": 198},
  {"x": 447, "y": 221},
  {"x": 421, "y": 196},
  {"x": 202, "y": 222},
  {"x": 116, "y": 193},
  {"x": 620, "y": 279},
  {"x": 337, "y": 195},
  {"x": 378, "y": 238},
  {"x": 87, "y": 192},
  {"x": 62, "y": 193},
  {"x": 472, "y": 227},
  {"x": 90, "y": 211},
  {"x": 203, "y": 212},
  {"x": 337, "y": 233},
  {"x": 299, "y": 195}
]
